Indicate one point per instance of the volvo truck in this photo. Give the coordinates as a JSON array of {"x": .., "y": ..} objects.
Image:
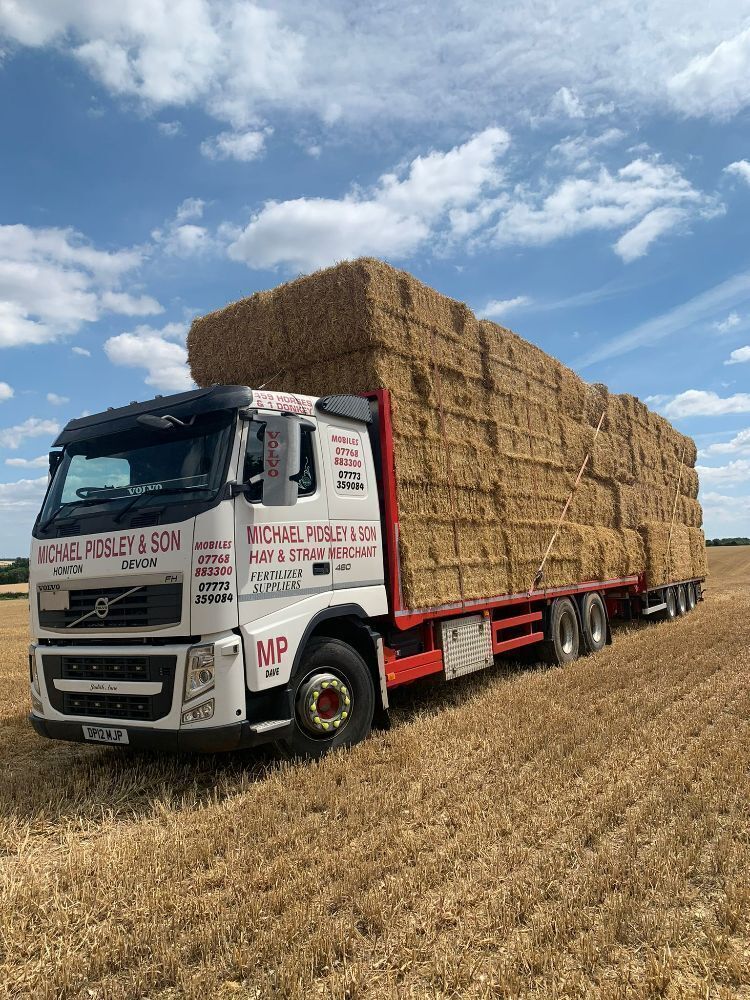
[{"x": 219, "y": 569}]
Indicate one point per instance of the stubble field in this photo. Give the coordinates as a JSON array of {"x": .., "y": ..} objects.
[{"x": 526, "y": 833}]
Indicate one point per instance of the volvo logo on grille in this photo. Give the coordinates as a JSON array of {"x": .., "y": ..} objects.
[{"x": 101, "y": 607}]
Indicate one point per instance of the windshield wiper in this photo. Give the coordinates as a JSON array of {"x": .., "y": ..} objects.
[{"x": 151, "y": 493}]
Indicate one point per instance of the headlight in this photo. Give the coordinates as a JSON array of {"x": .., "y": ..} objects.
[
  {"x": 33, "y": 675},
  {"x": 199, "y": 677},
  {"x": 200, "y": 713}
]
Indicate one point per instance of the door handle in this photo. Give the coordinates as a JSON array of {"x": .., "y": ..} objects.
[{"x": 321, "y": 569}]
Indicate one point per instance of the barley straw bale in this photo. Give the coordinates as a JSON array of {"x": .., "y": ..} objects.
[{"x": 489, "y": 434}]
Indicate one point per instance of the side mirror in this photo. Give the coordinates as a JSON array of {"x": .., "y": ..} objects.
[
  {"x": 55, "y": 458},
  {"x": 281, "y": 460}
]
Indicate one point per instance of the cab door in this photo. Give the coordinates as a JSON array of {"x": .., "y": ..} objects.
[
  {"x": 356, "y": 547},
  {"x": 282, "y": 560}
]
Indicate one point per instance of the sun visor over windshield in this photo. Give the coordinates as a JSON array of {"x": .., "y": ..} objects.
[{"x": 182, "y": 405}]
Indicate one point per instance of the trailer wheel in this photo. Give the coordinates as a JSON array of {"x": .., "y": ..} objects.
[
  {"x": 334, "y": 699},
  {"x": 692, "y": 600},
  {"x": 682, "y": 607},
  {"x": 593, "y": 623},
  {"x": 563, "y": 636},
  {"x": 671, "y": 601}
]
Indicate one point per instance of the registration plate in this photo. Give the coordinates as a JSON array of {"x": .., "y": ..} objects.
[{"x": 105, "y": 734}]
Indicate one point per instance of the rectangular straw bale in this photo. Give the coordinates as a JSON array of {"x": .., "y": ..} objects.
[{"x": 489, "y": 433}]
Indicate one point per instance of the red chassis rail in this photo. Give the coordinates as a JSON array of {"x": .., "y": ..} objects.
[{"x": 517, "y": 619}]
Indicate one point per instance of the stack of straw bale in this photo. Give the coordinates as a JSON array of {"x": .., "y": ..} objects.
[{"x": 489, "y": 433}]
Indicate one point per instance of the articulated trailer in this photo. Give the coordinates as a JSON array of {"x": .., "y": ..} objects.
[{"x": 220, "y": 569}]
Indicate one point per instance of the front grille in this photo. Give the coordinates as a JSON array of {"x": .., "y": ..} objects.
[
  {"x": 116, "y": 668},
  {"x": 108, "y": 670},
  {"x": 138, "y": 707},
  {"x": 149, "y": 606}
]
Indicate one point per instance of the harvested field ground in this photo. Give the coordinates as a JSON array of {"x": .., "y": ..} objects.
[
  {"x": 528, "y": 833},
  {"x": 14, "y": 588}
]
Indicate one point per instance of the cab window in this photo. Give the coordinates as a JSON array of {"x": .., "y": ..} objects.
[{"x": 254, "y": 462}]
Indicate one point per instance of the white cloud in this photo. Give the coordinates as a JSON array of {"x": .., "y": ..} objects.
[
  {"x": 705, "y": 403},
  {"x": 728, "y": 516},
  {"x": 13, "y": 437},
  {"x": 26, "y": 493},
  {"x": 392, "y": 219},
  {"x": 161, "y": 353},
  {"x": 29, "y": 463},
  {"x": 56, "y": 400},
  {"x": 636, "y": 241},
  {"x": 578, "y": 149},
  {"x": 19, "y": 504},
  {"x": 497, "y": 308},
  {"x": 603, "y": 201},
  {"x": 52, "y": 282},
  {"x": 725, "y": 325},
  {"x": 463, "y": 194},
  {"x": 189, "y": 209},
  {"x": 566, "y": 102},
  {"x": 6, "y": 391},
  {"x": 81, "y": 351},
  {"x": 244, "y": 146},
  {"x": 734, "y": 472},
  {"x": 355, "y": 62},
  {"x": 741, "y": 168},
  {"x": 169, "y": 129},
  {"x": 131, "y": 305},
  {"x": 716, "y": 84},
  {"x": 738, "y": 445},
  {"x": 681, "y": 319},
  {"x": 181, "y": 236},
  {"x": 740, "y": 356}
]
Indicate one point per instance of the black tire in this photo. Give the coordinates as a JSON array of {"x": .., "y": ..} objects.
[
  {"x": 330, "y": 658},
  {"x": 593, "y": 623},
  {"x": 563, "y": 635},
  {"x": 671, "y": 600},
  {"x": 682, "y": 606},
  {"x": 692, "y": 597}
]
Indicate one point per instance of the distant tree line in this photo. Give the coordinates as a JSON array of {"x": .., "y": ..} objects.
[
  {"x": 728, "y": 541},
  {"x": 17, "y": 572}
]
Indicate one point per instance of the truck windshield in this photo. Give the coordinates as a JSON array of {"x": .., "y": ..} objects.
[{"x": 145, "y": 463}]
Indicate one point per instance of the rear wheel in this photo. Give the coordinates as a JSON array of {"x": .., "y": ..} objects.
[
  {"x": 692, "y": 598},
  {"x": 682, "y": 606},
  {"x": 671, "y": 601},
  {"x": 563, "y": 636},
  {"x": 593, "y": 623},
  {"x": 334, "y": 699}
]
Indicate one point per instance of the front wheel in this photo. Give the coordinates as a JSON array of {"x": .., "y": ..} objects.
[{"x": 334, "y": 699}]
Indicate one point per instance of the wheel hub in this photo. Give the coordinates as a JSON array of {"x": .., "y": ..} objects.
[{"x": 324, "y": 703}]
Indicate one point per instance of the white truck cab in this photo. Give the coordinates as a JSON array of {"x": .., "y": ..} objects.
[{"x": 207, "y": 573}]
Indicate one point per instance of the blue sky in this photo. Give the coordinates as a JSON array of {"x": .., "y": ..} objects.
[{"x": 581, "y": 173}]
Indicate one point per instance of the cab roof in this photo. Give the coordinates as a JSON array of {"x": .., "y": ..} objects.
[{"x": 181, "y": 404}]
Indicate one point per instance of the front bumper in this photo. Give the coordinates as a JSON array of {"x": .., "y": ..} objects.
[{"x": 236, "y": 736}]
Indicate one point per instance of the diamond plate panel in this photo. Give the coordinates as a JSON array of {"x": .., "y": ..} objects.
[{"x": 466, "y": 645}]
